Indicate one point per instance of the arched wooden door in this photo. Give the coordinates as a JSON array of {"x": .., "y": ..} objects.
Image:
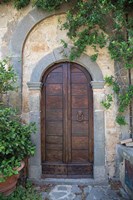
[{"x": 67, "y": 122}]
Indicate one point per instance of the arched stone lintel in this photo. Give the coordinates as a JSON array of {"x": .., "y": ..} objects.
[
  {"x": 23, "y": 28},
  {"x": 61, "y": 55}
]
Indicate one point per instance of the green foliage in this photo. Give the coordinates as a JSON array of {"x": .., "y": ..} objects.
[
  {"x": 121, "y": 120},
  {"x": 4, "y": 1},
  {"x": 21, "y": 3},
  {"x": 23, "y": 193},
  {"x": 94, "y": 57},
  {"x": 49, "y": 5},
  {"x": 86, "y": 20},
  {"x": 110, "y": 81},
  {"x": 107, "y": 103},
  {"x": 83, "y": 23},
  {"x": 122, "y": 51},
  {"x": 7, "y": 76},
  {"x": 125, "y": 97},
  {"x": 15, "y": 142},
  {"x": 18, "y": 4}
]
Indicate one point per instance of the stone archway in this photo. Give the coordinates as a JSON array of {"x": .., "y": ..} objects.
[{"x": 35, "y": 168}]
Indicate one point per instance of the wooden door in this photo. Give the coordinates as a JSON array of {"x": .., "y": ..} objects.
[{"x": 67, "y": 122}]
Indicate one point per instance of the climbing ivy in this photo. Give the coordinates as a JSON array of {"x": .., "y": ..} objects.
[
  {"x": 125, "y": 97},
  {"x": 49, "y": 5},
  {"x": 18, "y": 4},
  {"x": 98, "y": 24}
]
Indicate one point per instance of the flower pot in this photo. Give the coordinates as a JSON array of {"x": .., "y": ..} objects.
[{"x": 9, "y": 185}]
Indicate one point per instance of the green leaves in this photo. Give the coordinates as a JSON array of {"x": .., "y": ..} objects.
[
  {"x": 23, "y": 193},
  {"x": 21, "y": 3},
  {"x": 15, "y": 136},
  {"x": 107, "y": 103},
  {"x": 8, "y": 77},
  {"x": 121, "y": 120},
  {"x": 110, "y": 81},
  {"x": 15, "y": 141},
  {"x": 49, "y": 5},
  {"x": 125, "y": 97}
]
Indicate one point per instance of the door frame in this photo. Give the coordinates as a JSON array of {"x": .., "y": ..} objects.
[
  {"x": 66, "y": 113},
  {"x": 34, "y": 85}
]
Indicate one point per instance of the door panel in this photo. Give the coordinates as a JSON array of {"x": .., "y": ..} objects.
[
  {"x": 79, "y": 143},
  {"x": 67, "y": 121},
  {"x": 53, "y": 155},
  {"x": 79, "y": 89},
  {"x": 54, "y": 102},
  {"x": 78, "y": 78},
  {"x": 53, "y": 114},
  {"x": 54, "y": 89},
  {"x": 79, "y": 127},
  {"x": 79, "y": 101},
  {"x": 54, "y": 77},
  {"x": 54, "y": 128},
  {"x": 79, "y": 156}
]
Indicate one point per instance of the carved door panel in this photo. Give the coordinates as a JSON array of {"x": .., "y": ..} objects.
[{"x": 67, "y": 121}]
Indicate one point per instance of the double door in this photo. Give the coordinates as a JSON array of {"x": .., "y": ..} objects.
[{"x": 67, "y": 122}]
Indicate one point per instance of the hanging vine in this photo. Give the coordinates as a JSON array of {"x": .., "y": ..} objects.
[{"x": 99, "y": 23}]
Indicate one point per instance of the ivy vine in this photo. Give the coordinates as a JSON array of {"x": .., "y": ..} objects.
[{"x": 98, "y": 24}]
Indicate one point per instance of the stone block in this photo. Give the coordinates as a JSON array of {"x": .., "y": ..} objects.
[
  {"x": 34, "y": 103},
  {"x": 78, "y": 197},
  {"x": 35, "y": 171},
  {"x": 92, "y": 67},
  {"x": 38, "y": 14},
  {"x": 20, "y": 34},
  {"x": 97, "y": 84},
  {"x": 34, "y": 85},
  {"x": 99, "y": 127},
  {"x": 36, "y": 159},
  {"x": 100, "y": 173},
  {"x": 87, "y": 190},
  {"x": 41, "y": 66},
  {"x": 98, "y": 97},
  {"x": 76, "y": 189},
  {"x": 99, "y": 158},
  {"x": 17, "y": 65},
  {"x": 35, "y": 117}
]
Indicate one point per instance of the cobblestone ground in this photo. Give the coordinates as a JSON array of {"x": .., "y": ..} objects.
[{"x": 77, "y": 192}]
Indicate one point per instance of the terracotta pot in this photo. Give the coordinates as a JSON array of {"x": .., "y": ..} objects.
[{"x": 9, "y": 185}]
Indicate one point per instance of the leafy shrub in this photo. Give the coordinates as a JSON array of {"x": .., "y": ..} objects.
[
  {"x": 15, "y": 136},
  {"x": 23, "y": 193}
]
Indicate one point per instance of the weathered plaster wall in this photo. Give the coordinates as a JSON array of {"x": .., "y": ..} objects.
[
  {"x": 43, "y": 39},
  {"x": 9, "y": 17}
]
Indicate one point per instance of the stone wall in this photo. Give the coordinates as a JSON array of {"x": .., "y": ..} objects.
[{"x": 45, "y": 36}]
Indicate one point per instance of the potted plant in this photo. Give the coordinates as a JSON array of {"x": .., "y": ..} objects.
[{"x": 15, "y": 135}]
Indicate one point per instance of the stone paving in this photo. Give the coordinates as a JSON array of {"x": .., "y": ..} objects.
[{"x": 80, "y": 192}]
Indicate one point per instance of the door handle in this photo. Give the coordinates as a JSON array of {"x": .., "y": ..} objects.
[{"x": 80, "y": 116}]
